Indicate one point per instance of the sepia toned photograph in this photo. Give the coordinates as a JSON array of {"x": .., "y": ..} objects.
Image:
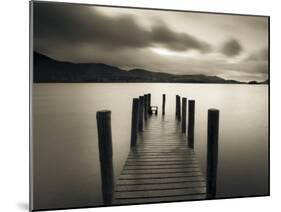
[{"x": 139, "y": 106}]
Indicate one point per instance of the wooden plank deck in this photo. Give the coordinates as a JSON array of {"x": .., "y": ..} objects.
[{"x": 161, "y": 168}]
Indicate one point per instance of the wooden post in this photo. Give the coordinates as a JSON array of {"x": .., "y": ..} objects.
[
  {"x": 190, "y": 132},
  {"x": 178, "y": 107},
  {"x": 134, "y": 123},
  {"x": 141, "y": 101},
  {"x": 163, "y": 104},
  {"x": 145, "y": 106},
  {"x": 183, "y": 124},
  {"x": 212, "y": 152},
  {"x": 149, "y": 103},
  {"x": 105, "y": 153}
]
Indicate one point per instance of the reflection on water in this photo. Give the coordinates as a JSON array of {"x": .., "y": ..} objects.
[{"x": 66, "y": 164}]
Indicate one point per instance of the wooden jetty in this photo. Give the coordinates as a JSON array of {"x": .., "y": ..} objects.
[
  {"x": 161, "y": 165},
  {"x": 161, "y": 168}
]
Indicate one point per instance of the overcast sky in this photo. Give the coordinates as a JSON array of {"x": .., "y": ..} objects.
[{"x": 232, "y": 47}]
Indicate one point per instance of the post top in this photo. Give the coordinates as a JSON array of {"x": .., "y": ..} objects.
[
  {"x": 103, "y": 112},
  {"x": 213, "y": 110}
]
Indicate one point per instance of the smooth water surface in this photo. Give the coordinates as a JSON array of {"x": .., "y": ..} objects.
[{"x": 65, "y": 145}]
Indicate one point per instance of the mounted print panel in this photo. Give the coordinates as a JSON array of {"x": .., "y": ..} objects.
[{"x": 137, "y": 106}]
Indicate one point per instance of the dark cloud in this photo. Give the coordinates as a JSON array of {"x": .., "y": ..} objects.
[
  {"x": 231, "y": 48},
  {"x": 177, "y": 41},
  {"x": 62, "y": 25},
  {"x": 74, "y": 24}
]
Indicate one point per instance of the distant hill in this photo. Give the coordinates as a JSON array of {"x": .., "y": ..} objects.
[
  {"x": 258, "y": 83},
  {"x": 47, "y": 70}
]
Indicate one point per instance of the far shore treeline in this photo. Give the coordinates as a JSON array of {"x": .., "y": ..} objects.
[{"x": 48, "y": 70}]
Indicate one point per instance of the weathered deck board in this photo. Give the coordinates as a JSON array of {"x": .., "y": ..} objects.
[
  {"x": 159, "y": 193},
  {"x": 161, "y": 168},
  {"x": 160, "y": 186},
  {"x": 159, "y": 175},
  {"x": 165, "y": 167},
  {"x": 160, "y": 181},
  {"x": 156, "y": 171},
  {"x": 160, "y": 163},
  {"x": 160, "y": 199}
]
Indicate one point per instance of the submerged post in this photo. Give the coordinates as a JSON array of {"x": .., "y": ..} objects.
[
  {"x": 145, "y": 106},
  {"x": 140, "y": 125},
  {"x": 190, "y": 132},
  {"x": 183, "y": 123},
  {"x": 134, "y": 124},
  {"x": 163, "y": 103},
  {"x": 212, "y": 152},
  {"x": 105, "y": 153}
]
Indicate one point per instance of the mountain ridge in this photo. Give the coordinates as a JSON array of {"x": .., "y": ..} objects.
[{"x": 48, "y": 70}]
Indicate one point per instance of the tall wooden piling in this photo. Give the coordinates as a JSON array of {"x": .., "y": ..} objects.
[
  {"x": 163, "y": 103},
  {"x": 141, "y": 102},
  {"x": 191, "y": 115},
  {"x": 183, "y": 123},
  {"x": 212, "y": 152},
  {"x": 145, "y": 106},
  {"x": 105, "y": 154},
  {"x": 134, "y": 123}
]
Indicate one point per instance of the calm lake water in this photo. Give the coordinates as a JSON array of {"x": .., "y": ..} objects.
[{"x": 66, "y": 158}]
